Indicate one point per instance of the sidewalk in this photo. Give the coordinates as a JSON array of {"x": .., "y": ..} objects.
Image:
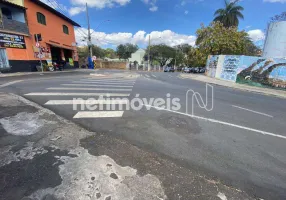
[
  {"x": 32, "y": 73},
  {"x": 206, "y": 79}
]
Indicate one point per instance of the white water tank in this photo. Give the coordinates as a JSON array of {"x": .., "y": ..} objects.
[{"x": 275, "y": 42}]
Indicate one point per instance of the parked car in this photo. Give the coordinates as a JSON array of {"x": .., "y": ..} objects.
[
  {"x": 202, "y": 70},
  {"x": 196, "y": 70},
  {"x": 186, "y": 70},
  {"x": 169, "y": 69}
]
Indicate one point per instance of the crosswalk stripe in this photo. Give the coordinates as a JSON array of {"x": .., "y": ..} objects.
[
  {"x": 85, "y": 102},
  {"x": 75, "y": 94},
  {"x": 105, "y": 83},
  {"x": 92, "y": 79},
  {"x": 153, "y": 75},
  {"x": 90, "y": 85},
  {"x": 89, "y": 89},
  {"x": 147, "y": 75},
  {"x": 98, "y": 114}
]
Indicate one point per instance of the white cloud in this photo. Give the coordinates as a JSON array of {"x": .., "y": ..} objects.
[
  {"x": 76, "y": 10},
  {"x": 140, "y": 38},
  {"x": 100, "y": 4},
  {"x": 186, "y": 12},
  {"x": 256, "y": 35},
  {"x": 275, "y": 1},
  {"x": 153, "y": 9},
  {"x": 183, "y": 3},
  {"x": 152, "y": 3}
]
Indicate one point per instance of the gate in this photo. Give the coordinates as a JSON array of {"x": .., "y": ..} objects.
[{"x": 4, "y": 63}]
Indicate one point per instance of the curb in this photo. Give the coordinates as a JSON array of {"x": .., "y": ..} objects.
[
  {"x": 40, "y": 73},
  {"x": 239, "y": 87}
]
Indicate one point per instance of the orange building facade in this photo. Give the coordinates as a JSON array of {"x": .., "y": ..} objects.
[{"x": 20, "y": 24}]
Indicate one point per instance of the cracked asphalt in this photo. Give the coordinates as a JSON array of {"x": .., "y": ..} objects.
[{"x": 149, "y": 154}]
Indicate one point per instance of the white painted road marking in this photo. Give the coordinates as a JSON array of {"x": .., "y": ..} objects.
[
  {"x": 76, "y": 94},
  {"x": 105, "y": 83},
  {"x": 220, "y": 122},
  {"x": 147, "y": 75},
  {"x": 90, "y": 89},
  {"x": 116, "y": 81},
  {"x": 98, "y": 114},
  {"x": 260, "y": 113},
  {"x": 90, "y": 85},
  {"x": 154, "y": 76},
  {"x": 10, "y": 83},
  {"x": 107, "y": 79},
  {"x": 85, "y": 102}
]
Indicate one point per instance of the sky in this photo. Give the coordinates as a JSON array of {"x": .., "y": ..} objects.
[{"x": 172, "y": 22}]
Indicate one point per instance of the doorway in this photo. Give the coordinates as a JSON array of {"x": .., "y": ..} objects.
[
  {"x": 67, "y": 54},
  {"x": 56, "y": 54}
]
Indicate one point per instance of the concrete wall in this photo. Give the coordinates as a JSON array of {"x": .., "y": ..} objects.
[
  {"x": 275, "y": 43},
  {"x": 110, "y": 65},
  {"x": 248, "y": 69}
]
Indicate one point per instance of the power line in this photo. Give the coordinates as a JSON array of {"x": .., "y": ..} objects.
[{"x": 55, "y": 4}]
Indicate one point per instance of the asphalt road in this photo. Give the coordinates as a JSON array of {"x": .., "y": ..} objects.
[{"x": 240, "y": 142}]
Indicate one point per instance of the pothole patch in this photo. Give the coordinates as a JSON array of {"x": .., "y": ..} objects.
[
  {"x": 23, "y": 123},
  {"x": 100, "y": 177}
]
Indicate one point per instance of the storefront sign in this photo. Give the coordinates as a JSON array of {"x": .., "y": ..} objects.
[
  {"x": 71, "y": 62},
  {"x": 50, "y": 63},
  {"x": 12, "y": 41}
]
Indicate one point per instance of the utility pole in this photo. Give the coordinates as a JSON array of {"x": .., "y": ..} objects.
[
  {"x": 149, "y": 52},
  {"x": 89, "y": 35},
  {"x": 40, "y": 53}
]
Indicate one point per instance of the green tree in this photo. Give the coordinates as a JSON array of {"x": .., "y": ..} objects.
[
  {"x": 124, "y": 51},
  {"x": 230, "y": 14},
  {"x": 97, "y": 51},
  {"x": 161, "y": 53},
  {"x": 217, "y": 39},
  {"x": 120, "y": 51},
  {"x": 109, "y": 53}
]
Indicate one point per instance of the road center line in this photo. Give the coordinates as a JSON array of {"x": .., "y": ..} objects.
[
  {"x": 260, "y": 113},
  {"x": 220, "y": 122},
  {"x": 9, "y": 83}
]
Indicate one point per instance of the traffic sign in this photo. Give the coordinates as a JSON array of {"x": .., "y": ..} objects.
[
  {"x": 93, "y": 58},
  {"x": 38, "y": 44}
]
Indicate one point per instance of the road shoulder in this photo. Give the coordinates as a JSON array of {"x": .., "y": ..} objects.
[{"x": 264, "y": 91}]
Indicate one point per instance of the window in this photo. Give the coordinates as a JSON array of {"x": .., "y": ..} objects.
[
  {"x": 7, "y": 13},
  {"x": 65, "y": 29},
  {"x": 41, "y": 18}
]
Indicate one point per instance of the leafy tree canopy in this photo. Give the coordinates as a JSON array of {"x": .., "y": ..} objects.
[{"x": 124, "y": 51}]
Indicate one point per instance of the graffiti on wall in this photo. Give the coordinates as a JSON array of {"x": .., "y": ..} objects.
[
  {"x": 270, "y": 72},
  {"x": 250, "y": 70},
  {"x": 230, "y": 67},
  {"x": 211, "y": 66}
]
